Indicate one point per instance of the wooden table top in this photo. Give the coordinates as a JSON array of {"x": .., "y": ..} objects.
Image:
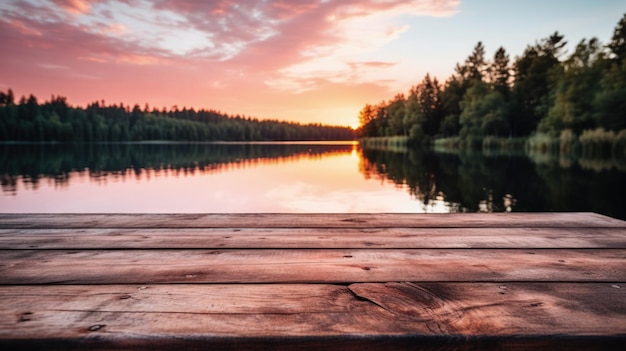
[{"x": 506, "y": 281}]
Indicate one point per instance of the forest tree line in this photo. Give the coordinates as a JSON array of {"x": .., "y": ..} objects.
[
  {"x": 55, "y": 120},
  {"x": 543, "y": 91}
]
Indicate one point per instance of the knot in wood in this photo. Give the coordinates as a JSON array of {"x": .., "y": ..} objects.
[{"x": 96, "y": 327}]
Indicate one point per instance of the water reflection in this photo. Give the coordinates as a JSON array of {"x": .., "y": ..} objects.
[
  {"x": 495, "y": 182},
  {"x": 586, "y": 163},
  {"x": 417, "y": 171},
  {"x": 299, "y": 178},
  {"x": 30, "y": 163},
  {"x": 488, "y": 205},
  {"x": 198, "y": 178}
]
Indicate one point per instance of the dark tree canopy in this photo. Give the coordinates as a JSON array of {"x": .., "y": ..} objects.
[
  {"x": 618, "y": 41},
  {"x": 55, "y": 120},
  {"x": 500, "y": 72}
]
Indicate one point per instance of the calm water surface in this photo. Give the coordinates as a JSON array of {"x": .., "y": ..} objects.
[{"x": 298, "y": 177}]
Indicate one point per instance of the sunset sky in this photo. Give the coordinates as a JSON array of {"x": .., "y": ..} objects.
[{"x": 301, "y": 60}]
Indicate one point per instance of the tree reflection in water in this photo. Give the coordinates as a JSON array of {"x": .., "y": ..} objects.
[
  {"x": 442, "y": 182},
  {"x": 496, "y": 182},
  {"x": 31, "y": 163}
]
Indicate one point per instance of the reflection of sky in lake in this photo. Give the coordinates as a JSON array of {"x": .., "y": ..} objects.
[{"x": 331, "y": 183}]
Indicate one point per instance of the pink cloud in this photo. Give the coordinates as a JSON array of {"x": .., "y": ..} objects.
[
  {"x": 23, "y": 28},
  {"x": 290, "y": 9},
  {"x": 238, "y": 56},
  {"x": 74, "y": 6},
  {"x": 233, "y": 26},
  {"x": 115, "y": 28},
  {"x": 371, "y": 64}
]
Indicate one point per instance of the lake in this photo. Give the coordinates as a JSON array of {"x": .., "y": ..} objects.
[{"x": 298, "y": 178}]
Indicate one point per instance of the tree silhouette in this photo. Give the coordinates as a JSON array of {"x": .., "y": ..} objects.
[{"x": 56, "y": 120}]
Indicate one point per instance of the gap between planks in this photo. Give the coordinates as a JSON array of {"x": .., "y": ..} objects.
[{"x": 455, "y": 220}]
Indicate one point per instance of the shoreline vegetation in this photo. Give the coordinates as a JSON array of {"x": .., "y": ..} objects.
[
  {"x": 596, "y": 150},
  {"x": 597, "y": 143},
  {"x": 544, "y": 101}
]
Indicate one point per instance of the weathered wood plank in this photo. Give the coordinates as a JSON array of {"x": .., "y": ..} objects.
[
  {"x": 301, "y": 238},
  {"x": 456, "y": 220},
  {"x": 495, "y": 281},
  {"x": 459, "y": 316},
  {"x": 313, "y": 266}
]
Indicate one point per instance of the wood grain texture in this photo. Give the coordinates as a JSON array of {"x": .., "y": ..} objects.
[
  {"x": 389, "y": 315},
  {"x": 518, "y": 281},
  {"x": 312, "y": 220},
  {"x": 309, "y": 238},
  {"x": 308, "y": 265}
]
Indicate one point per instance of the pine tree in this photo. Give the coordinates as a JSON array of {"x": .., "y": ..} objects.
[
  {"x": 618, "y": 41},
  {"x": 500, "y": 72}
]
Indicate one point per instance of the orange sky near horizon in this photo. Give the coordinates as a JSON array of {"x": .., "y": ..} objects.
[{"x": 301, "y": 60}]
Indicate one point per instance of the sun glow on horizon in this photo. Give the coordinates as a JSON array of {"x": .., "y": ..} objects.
[{"x": 311, "y": 61}]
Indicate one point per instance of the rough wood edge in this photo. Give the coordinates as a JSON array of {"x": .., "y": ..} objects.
[{"x": 312, "y": 220}]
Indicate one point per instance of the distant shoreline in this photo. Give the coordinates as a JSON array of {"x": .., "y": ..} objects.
[
  {"x": 596, "y": 143},
  {"x": 162, "y": 142}
]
